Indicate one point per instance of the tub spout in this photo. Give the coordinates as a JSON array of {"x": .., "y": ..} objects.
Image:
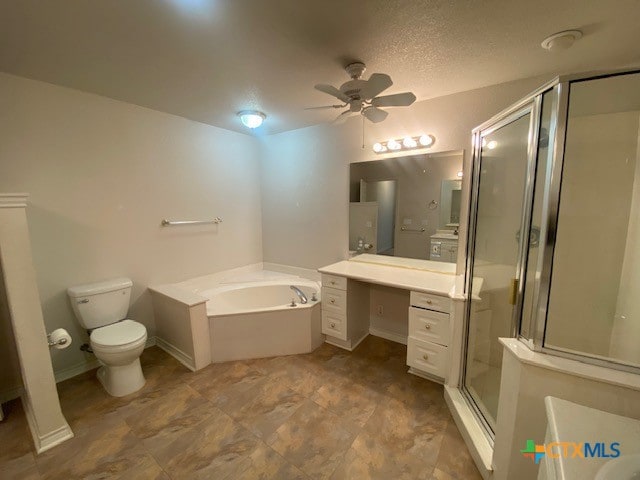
[{"x": 300, "y": 293}]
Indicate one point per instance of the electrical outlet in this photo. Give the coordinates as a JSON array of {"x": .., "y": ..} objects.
[{"x": 380, "y": 310}]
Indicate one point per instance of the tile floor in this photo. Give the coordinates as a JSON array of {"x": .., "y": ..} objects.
[{"x": 331, "y": 414}]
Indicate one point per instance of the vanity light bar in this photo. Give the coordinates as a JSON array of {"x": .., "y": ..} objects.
[{"x": 406, "y": 143}]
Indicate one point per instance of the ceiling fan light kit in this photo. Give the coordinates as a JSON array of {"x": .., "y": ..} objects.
[
  {"x": 406, "y": 143},
  {"x": 361, "y": 96}
]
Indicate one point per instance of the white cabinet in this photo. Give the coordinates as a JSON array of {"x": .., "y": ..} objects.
[
  {"x": 429, "y": 334},
  {"x": 345, "y": 311}
]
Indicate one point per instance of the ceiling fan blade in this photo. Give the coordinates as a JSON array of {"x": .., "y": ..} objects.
[
  {"x": 325, "y": 107},
  {"x": 343, "y": 117},
  {"x": 333, "y": 91},
  {"x": 397, "y": 100},
  {"x": 377, "y": 83},
  {"x": 375, "y": 114}
]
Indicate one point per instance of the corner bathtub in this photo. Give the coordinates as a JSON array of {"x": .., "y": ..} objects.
[
  {"x": 246, "y": 316},
  {"x": 256, "y": 320}
]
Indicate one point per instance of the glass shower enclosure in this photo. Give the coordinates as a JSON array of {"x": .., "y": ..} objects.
[{"x": 553, "y": 247}]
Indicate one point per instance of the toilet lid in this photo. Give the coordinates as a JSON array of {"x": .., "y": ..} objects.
[{"x": 120, "y": 333}]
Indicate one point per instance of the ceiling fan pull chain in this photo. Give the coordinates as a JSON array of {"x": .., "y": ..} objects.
[{"x": 362, "y": 131}]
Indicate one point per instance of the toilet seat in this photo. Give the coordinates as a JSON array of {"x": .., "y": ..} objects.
[{"x": 120, "y": 335}]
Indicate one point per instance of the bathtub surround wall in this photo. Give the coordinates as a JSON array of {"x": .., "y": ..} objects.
[{"x": 101, "y": 175}]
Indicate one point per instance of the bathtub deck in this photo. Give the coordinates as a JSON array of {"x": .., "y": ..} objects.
[{"x": 329, "y": 414}]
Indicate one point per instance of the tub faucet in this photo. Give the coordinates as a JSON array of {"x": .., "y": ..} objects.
[{"x": 300, "y": 293}]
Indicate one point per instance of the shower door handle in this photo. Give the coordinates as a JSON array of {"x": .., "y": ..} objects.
[{"x": 513, "y": 292}]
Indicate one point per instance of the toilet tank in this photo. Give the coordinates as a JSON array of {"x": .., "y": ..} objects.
[{"x": 102, "y": 303}]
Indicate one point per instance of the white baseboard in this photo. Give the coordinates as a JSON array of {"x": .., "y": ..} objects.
[
  {"x": 80, "y": 368},
  {"x": 426, "y": 376},
  {"x": 345, "y": 344},
  {"x": 176, "y": 353},
  {"x": 45, "y": 441},
  {"x": 75, "y": 370},
  {"x": 386, "y": 334}
]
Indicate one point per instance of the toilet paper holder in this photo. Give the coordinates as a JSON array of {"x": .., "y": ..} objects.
[{"x": 61, "y": 341}]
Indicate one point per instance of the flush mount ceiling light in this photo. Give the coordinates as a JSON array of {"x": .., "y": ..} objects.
[
  {"x": 251, "y": 118},
  {"x": 561, "y": 40},
  {"x": 406, "y": 143}
]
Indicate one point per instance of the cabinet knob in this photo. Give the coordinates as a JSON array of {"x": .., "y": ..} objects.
[
  {"x": 425, "y": 357},
  {"x": 429, "y": 302},
  {"x": 333, "y": 300},
  {"x": 427, "y": 326},
  {"x": 332, "y": 282},
  {"x": 333, "y": 325}
]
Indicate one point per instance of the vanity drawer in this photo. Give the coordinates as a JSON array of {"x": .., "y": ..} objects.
[
  {"x": 333, "y": 281},
  {"x": 429, "y": 326},
  {"x": 334, "y": 300},
  {"x": 430, "y": 301},
  {"x": 427, "y": 357},
  {"x": 334, "y": 324}
]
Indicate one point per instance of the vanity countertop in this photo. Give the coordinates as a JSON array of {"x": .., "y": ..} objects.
[{"x": 424, "y": 276}]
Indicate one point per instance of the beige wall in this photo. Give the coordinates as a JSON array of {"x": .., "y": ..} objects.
[
  {"x": 305, "y": 173},
  {"x": 102, "y": 174}
]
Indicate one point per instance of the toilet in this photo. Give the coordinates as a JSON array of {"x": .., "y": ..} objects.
[{"x": 116, "y": 341}]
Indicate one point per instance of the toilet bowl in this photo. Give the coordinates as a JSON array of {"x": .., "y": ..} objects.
[
  {"x": 116, "y": 341},
  {"x": 118, "y": 348}
]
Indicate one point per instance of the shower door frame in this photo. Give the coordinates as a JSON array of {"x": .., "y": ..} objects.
[
  {"x": 549, "y": 221},
  {"x": 531, "y": 105}
]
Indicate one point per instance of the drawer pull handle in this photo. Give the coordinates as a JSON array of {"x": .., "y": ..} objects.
[
  {"x": 425, "y": 357},
  {"x": 333, "y": 325},
  {"x": 333, "y": 300},
  {"x": 427, "y": 326}
]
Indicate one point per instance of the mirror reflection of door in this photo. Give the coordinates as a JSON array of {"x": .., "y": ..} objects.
[{"x": 383, "y": 193}]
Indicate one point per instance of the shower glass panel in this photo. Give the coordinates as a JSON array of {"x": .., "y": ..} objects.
[
  {"x": 594, "y": 305},
  {"x": 500, "y": 173}
]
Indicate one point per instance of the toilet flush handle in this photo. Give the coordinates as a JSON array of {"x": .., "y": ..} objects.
[{"x": 84, "y": 300}]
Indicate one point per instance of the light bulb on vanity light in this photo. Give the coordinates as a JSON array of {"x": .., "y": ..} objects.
[
  {"x": 426, "y": 140},
  {"x": 379, "y": 148},
  {"x": 460, "y": 174},
  {"x": 409, "y": 142},
  {"x": 393, "y": 145}
]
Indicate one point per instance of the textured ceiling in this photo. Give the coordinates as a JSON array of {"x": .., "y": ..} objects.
[{"x": 207, "y": 59}]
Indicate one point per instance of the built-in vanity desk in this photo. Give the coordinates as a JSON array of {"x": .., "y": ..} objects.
[{"x": 346, "y": 309}]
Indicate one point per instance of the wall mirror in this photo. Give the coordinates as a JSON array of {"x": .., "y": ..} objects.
[{"x": 406, "y": 206}]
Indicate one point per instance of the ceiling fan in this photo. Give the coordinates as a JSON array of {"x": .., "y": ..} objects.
[{"x": 361, "y": 96}]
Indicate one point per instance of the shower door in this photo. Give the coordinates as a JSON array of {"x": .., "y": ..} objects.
[{"x": 503, "y": 163}]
